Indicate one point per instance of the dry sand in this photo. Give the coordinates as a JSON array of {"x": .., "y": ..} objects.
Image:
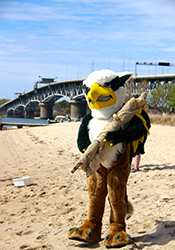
[{"x": 38, "y": 216}]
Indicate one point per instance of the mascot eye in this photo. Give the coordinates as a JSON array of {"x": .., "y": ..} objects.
[
  {"x": 86, "y": 89},
  {"x": 107, "y": 85}
]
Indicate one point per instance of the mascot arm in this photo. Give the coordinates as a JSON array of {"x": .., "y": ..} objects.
[
  {"x": 134, "y": 131},
  {"x": 83, "y": 140}
]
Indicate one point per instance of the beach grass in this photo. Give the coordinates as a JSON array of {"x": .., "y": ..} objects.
[{"x": 168, "y": 120}]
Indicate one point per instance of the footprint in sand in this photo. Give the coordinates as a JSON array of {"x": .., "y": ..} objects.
[
  {"x": 40, "y": 237},
  {"x": 20, "y": 233},
  {"x": 23, "y": 246}
]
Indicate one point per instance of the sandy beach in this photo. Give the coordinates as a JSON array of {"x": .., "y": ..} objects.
[{"x": 38, "y": 217}]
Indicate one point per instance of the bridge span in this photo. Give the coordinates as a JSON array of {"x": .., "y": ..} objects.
[
  {"x": 25, "y": 104},
  {"x": 45, "y": 96}
]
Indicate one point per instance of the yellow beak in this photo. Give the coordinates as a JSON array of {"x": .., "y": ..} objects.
[{"x": 100, "y": 97}]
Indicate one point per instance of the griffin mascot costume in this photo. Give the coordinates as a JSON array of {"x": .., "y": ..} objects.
[{"x": 105, "y": 93}]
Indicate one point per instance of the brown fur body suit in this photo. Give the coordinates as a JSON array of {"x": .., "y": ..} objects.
[{"x": 101, "y": 183}]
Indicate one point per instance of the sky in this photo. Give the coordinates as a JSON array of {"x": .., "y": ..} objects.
[{"x": 69, "y": 39}]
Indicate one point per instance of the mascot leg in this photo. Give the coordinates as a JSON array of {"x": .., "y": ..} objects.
[
  {"x": 116, "y": 185},
  {"x": 90, "y": 231}
]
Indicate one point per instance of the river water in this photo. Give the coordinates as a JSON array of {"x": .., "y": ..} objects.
[{"x": 22, "y": 120}]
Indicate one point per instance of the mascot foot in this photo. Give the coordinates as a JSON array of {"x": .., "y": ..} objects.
[
  {"x": 117, "y": 237},
  {"x": 89, "y": 232}
]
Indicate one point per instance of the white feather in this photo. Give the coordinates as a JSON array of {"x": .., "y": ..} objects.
[
  {"x": 102, "y": 76},
  {"x": 95, "y": 127}
]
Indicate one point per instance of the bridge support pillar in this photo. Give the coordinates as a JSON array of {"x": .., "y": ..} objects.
[
  {"x": 77, "y": 108},
  {"x": 46, "y": 110}
]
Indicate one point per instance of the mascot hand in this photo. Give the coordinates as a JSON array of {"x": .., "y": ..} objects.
[
  {"x": 113, "y": 137},
  {"x": 131, "y": 133}
]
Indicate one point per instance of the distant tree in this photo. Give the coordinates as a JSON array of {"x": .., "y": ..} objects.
[
  {"x": 62, "y": 108},
  {"x": 2, "y": 101},
  {"x": 163, "y": 98},
  {"x": 172, "y": 97},
  {"x": 67, "y": 110}
]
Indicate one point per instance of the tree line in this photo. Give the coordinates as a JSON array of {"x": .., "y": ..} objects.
[
  {"x": 163, "y": 98},
  {"x": 2, "y": 101},
  {"x": 61, "y": 108}
]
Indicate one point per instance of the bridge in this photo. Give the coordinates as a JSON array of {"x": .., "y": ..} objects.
[
  {"x": 52, "y": 91},
  {"x": 45, "y": 96}
]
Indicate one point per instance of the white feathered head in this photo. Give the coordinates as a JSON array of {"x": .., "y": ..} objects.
[{"x": 105, "y": 92}]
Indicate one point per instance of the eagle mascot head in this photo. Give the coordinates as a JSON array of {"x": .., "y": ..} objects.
[{"x": 105, "y": 92}]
